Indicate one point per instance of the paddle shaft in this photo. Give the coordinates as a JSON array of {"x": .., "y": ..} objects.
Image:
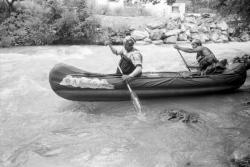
[
  {"x": 129, "y": 88},
  {"x": 184, "y": 60},
  {"x": 134, "y": 97}
]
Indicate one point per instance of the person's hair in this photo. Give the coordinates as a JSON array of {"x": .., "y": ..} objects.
[{"x": 197, "y": 42}]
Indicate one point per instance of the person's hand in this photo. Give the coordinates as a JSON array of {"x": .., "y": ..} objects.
[
  {"x": 176, "y": 46},
  {"x": 126, "y": 77}
]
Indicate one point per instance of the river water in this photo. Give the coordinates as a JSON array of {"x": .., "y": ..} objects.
[{"x": 38, "y": 128}]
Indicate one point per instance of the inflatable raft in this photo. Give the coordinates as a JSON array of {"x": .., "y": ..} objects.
[{"x": 75, "y": 84}]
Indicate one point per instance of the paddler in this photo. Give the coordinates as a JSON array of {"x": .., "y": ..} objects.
[
  {"x": 131, "y": 58},
  {"x": 208, "y": 63}
]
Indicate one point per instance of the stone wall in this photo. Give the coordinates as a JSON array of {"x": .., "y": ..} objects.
[{"x": 207, "y": 28}]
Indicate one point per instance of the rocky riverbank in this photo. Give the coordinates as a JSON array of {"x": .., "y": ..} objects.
[{"x": 147, "y": 30}]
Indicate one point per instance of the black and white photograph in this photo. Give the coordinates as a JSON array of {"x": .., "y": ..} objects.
[{"x": 124, "y": 83}]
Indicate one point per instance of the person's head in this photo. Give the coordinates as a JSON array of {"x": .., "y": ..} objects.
[
  {"x": 128, "y": 43},
  {"x": 195, "y": 43}
]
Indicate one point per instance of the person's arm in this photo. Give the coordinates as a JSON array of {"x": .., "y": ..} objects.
[
  {"x": 135, "y": 73},
  {"x": 188, "y": 50},
  {"x": 114, "y": 51},
  {"x": 137, "y": 61}
]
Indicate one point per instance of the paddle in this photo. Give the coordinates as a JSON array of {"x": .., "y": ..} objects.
[
  {"x": 134, "y": 97},
  {"x": 184, "y": 60}
]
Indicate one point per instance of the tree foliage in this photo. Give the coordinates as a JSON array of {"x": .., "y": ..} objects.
[
  {"x": 48, "y": 22},
  {"x": 240, "y": 8}
]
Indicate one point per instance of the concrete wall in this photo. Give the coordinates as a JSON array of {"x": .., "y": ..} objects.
[{"x": 164, "y": 10}]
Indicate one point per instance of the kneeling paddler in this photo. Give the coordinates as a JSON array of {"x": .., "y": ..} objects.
[
  {"x": 208, "y": 63},
  {"x": 131, "y": 59}
]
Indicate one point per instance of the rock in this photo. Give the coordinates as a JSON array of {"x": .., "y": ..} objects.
[
  {"x": 212, "y": 26},
  {"x": 156, "y": 25},
  {"x": 148, "y": 40},
  {"x": 156, "y": 34},
  {"x": 189, "y": 26},
  {"x": 224, "y": 33},
  {"x": 194, "y": 29},
  {"x": 234, "y": 39},
  {"x": 209, "y": 20},
  {"x": 222, "y": 25},
  {"x": 245, "y": 36},
  {"x": 195, "y": 36},
  {"x": 142, "y": 43},
  {"x": 203, "y": 29},
  {"x": 190, "y": 20},
  {"x": 172, "y": 33},
  {"x": 139, "y": 35},
  {"x": 204, "y": 37},
  {"x": 231, "y": 31},
  {"x": 158, "y": 42},
  {"x": 214, "y": 37},
  {"x": 171, "y": 40},
  {"x": 182, "y": 37},
  {"x": 173, "y": 24},
  {"x": 224, "y": 38},
  {"x": 206, "y": 15}
]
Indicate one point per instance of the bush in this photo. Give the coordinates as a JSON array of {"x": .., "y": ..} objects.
[
  {"x": 6, "y": 42},
  {"x": 48, "y": 22}
]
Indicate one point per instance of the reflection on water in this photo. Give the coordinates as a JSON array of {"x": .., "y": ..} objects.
[{"x": 38, "y": 128}]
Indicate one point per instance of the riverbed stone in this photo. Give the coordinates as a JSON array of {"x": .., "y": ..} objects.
[
  {"x": 172, "y": 24},
  {"x": 171, "y": 40},
  {"x": 245, "y": 36},
  {"x": 212, "y": 25},
  {"x": 224, "y": 38},
  {"x": 139, "y": 35},
  {"x": 157, "y": 42},
  {"x": 214, "y": 37},
  {"x": 222, "y": 25},
  {"x": 182, "y": 37},
  {"x": 148, "y": 40},
  {"x": 156, "y": 34},
  {"x": 172, "y": 32},
  {"x": 204, "y": 37},
  {"x": 156, "y": 25}
]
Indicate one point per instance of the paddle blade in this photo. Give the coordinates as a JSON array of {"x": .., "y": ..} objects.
[{"x": 136, "y": 102}]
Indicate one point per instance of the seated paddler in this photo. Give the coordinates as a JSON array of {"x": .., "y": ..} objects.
[
  {"x": 131, "y": 59},
  {"x": 207, "y": 62}
]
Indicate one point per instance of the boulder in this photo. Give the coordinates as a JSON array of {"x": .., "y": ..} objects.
[
  {"x": 156, "y": 25},
  {"x": 222, "y": 25},
  {"x": 148, "y": 40},
  {"x": 195, "y": 36},
  {"x": 171, "y": 40},
  {"x": 231, "y": 31},
  {"x": 142, "y": 43},
  {"x": 158, "y": 42},
  {"x": 212, "y": 26},
  {"x": 172, "y": 32},
  {"x": 156, "y": 34},
  {"x": 214, "y": 37},
  {"x": 182, "y": 37},
  {"x": 172, "y": 25},
  {"x": 209, "y": 20},
  {"x": 139, "y": 35},
  {"x": 223, "y": 38},
  {"x": 203, "y": 29},
  {"x": 189, "y": 26},
  {"x": 245, "y": 36},
  {"x": 204, "y": 37},
  {"x": 224, "y": 32},
  {"x": 190, "y": 20}
]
